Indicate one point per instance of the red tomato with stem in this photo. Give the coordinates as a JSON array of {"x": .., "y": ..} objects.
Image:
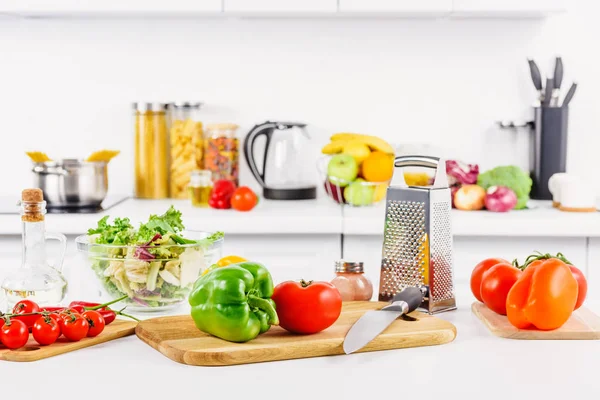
[
  {"x": 14, "y": 334},
  {"x": 45, "y": 330},
  {"x": 95, "y": 321},
  {"x": 495, "y": 285},
  {"x": 307, "y": 307},
  {"x": 26, "y": 307},
  {"x": 75, "y": 327},
  {"x": 477, "y": 274},
  {"x": 244, "y": 199}
]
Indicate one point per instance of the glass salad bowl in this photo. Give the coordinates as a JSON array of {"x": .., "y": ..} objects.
[{"x": 154, "y": 277}]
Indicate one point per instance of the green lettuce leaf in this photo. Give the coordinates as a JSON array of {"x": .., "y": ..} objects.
[{"x": 119, "y": 233}]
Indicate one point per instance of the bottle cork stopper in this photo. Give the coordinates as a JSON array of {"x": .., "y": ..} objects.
[{"x": 32, "y": 195}]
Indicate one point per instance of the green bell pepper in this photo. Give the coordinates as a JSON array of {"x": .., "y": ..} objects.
[{"x": 234, "y": 302}]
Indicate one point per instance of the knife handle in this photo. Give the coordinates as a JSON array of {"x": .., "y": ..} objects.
[{"x": 411, "y": 296}]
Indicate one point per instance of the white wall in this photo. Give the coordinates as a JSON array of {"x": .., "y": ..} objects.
[{"x": 66, "y": 85}]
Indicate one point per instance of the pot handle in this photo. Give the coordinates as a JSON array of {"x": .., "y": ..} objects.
[
  {"x": 63, "y": 248},
  {"x": 50, "y": 170}
]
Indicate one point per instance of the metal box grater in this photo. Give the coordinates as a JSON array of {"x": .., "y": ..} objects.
[{"x": 417, "y": 239}]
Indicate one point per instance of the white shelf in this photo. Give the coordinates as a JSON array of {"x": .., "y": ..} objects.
[{"x": 282, "y": 8}]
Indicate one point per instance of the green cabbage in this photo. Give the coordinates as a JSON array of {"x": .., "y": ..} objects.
[{"x": 510, "y": 176}]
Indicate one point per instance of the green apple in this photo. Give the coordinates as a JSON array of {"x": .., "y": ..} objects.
[
  {"x": 358, "y": 194},
  {"x": 342, "y": 169}
]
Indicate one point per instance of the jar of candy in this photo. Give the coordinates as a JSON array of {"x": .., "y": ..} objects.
[
  {"x": 351, "y": 282},
  {"x": 221, "y": 151}
]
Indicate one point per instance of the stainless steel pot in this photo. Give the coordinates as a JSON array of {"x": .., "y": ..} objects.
[{"x": 71, "y": 183}]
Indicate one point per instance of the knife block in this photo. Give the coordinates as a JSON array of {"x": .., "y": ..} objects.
[{"x": 550, "y": 127}]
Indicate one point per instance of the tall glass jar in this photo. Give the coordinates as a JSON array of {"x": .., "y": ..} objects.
[
  {"x": 187, "y": 146},
  {"x": 151, "y": 151},
  {"x": 222, "y": 152}
]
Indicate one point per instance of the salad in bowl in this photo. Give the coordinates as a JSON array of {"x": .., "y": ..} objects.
[{"x": 155, "y": 265}]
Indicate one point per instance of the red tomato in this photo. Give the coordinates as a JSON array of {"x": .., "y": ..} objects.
[
  {"x": 14, "y": 334},
  {"x": 26, "y": 307},
  {"x": 307, "y": 307},
  {"x": 495, "y": 285},
  {"x": 45, "y": 331},
  {"x": 74, "y": 327},
  {"x": 581, "y": 283},
  {"x": 56, "y": 317},
  {"x": 244, "y": 199},
  {"x": 222, "y": 189},
  {"x": 95, "y": 321},
  {"x": 477, "y": 274}
]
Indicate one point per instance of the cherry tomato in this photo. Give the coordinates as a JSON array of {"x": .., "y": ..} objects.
[
  {"x": 95, "y": 321},
  {"x": 74, "y": 327},
  {"x": 14, "y": 334},
  {"x": 244, "y": 199},
  {"x": 582, "y": 285},
  {"x": 26, "y": 307},
  {"x": 307, "y": 307},
  {"x": 45, "y": 330},
  {"x": 477, "y": 274},
  {"x": 56, "y": 317},
  {"x": 495, "y": 285}
]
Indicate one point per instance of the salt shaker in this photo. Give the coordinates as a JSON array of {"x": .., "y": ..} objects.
[{"x": 351, "y": 281}]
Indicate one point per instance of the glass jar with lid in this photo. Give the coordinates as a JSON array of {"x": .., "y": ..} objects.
[
  {"x": 151, "y": 151},
  {"x": 187, "y": 146},
  {"x": 351, "y": 281},
  {"x": 221, "y": 152},
  {"x": 200, "y": 187}
]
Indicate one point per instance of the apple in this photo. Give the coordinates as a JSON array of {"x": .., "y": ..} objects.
[
  {"x": 342, "y": 169},
  {"x": 358, "y": 194},
  {"x": 335, "y": 192}
]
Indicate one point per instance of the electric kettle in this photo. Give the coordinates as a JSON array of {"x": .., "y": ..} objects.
[{"x": 284, "y": 172}]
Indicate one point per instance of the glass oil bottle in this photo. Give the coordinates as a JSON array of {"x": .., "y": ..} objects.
[
  {"x": 200, "y": 187},
  {"x": 36, "y": 280}
]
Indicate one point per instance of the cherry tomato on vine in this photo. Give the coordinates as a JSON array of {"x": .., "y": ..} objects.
[
  {"x": 14, "y": 334},
  {"x": 26, "y": 307},
  {"x": 74, "y": 327},
  {"x": 45, "y": 330},
  {"x": 95, "y": 321}
]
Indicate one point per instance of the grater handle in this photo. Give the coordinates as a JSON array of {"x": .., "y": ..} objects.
[{"x": 440, "y": 180}]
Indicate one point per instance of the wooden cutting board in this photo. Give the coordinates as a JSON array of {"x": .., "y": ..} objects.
[
  {"x": 180, "y": 340},
  {"x": 583, "y": 325},
  {"x": 33, "y": 351}
]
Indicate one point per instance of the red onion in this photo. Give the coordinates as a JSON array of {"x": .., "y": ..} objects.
[{"x": 500, "y": 199}]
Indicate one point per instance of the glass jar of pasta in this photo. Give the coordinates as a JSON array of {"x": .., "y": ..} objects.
[
  {"x": 187, "y": 146},
  {"x": 151, "y": 151},
  {"x": 221, "y": 152}
]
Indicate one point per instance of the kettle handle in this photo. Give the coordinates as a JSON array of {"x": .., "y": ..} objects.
[
  {"x": 262, "y": 129},
  {"x": 440, "y": 180}
]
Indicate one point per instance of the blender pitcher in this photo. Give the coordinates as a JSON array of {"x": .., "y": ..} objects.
[{"x": 36, "y": 280}]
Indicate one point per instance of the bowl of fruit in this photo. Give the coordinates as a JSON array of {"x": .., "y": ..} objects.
[{"x": 356, "y": 169}]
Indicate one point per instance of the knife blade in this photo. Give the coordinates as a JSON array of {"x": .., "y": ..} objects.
[
  {"x": 558, "y": 77},
  {"x": 372, "y": 323}
]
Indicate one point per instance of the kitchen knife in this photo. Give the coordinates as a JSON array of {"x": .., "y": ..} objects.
[
  {"x": 569, "y": 95},
  {"x": 548, "y": 92},
  {"x": 372, "y": 323},
  {"x": 558, "y": 77},
  {"x": 536, "y": 77}
]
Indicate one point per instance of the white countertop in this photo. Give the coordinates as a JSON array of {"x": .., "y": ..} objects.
[
  {"x": 322, "y": 216},
  {"x": 477, "y": 365}
]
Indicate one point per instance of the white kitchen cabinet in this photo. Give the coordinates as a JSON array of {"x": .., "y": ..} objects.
[
  {"x": 289, "y": 257},
  {"x": 593, "y": 270},
  {"x": 279, "y": 6},
  {"x": 395, "y": 7},
  {"x": 507, "y": 8},
  {"x": 111, "y": 7},
  {"x": 468, "y": 251}
]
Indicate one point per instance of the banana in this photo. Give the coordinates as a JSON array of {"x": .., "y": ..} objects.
[
  {"x": 373, "y": 142},
  {"x": 334, "y": 147}
]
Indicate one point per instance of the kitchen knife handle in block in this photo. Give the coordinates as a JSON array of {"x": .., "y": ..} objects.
[{"x": 411, "y": 296}]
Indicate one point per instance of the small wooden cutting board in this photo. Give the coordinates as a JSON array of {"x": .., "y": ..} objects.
[
  {"x": 180, "y": 340},
  {"x": 583, "y": 325},
  {"x": 33, "y": 351}
]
